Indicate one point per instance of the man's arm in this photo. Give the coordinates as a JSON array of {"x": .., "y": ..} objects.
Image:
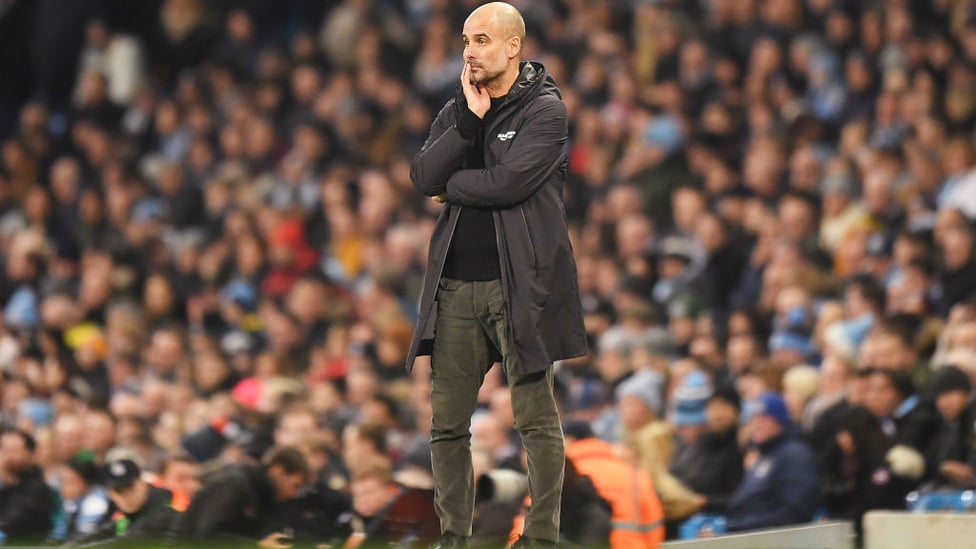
[
  {"x": 442, "y": 154},
  {"x": 537, "y": 150}
]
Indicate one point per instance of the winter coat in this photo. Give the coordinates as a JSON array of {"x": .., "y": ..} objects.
[
  {"x": 26, "y": 508},
  {"x": 711, "y": 466},
  {"x": 654, "y": 447},
  {"x": 149, "y": 526},
  {"x": 234, "y": 505},
  {"x": 781, "y": 488},
  {"x": 525, "y": 159}
]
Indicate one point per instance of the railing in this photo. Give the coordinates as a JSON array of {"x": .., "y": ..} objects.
[{"x": 828, "y": 535}]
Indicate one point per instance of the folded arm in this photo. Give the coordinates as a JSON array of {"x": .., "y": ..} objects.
[{"x": 537, "y": 150}]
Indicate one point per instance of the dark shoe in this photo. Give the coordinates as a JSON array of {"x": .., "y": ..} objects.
[{"x": 449, "y": 540}]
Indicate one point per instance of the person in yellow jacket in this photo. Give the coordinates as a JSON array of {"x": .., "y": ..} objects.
[
  {"x": 638, "y": 517},
  {"x": 649, "y": 440}
]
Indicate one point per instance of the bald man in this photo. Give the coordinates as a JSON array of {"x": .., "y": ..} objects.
[{"x": 501, "y": 277}]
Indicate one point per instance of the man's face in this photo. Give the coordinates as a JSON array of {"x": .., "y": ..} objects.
[
  {"x": 132, "y": 498},
  {"x": 762, "y": 428},
  {"x": 369, "y": 496},
  {"x": 14, "y": 455},
  {"x": 287, "y": 486},
  {"x": 182, "y": 477},
  {"x": 487, "y": 47},
  {"x": 952, "y": 403},
  {"x": 881, "y": 396}
]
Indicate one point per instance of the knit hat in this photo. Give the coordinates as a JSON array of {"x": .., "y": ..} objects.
[
  {"x": 647, "y": 386},
  {"x": 727, "y": 393},
  {"x": 691, "y": 397},
  {"x": 950, "y": 378},
  {"x": 769, "y": 404}
]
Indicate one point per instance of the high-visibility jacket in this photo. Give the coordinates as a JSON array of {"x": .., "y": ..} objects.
[{"x": 638, "y": 518}]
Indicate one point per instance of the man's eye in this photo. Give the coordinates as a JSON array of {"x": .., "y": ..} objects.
[{"x": 482, "y": 41}]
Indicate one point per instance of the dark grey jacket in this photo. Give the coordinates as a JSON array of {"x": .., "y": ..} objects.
[{"x": 525, "y": 166}]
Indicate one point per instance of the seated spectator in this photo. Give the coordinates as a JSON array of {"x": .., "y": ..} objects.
[
  {"x": 390, "y": 513},
  {"x": 712, "y": 464},
  {"x": 862, "y": 472},
  {"x": 903, "y": 415},
  {"x": 239, "y": 500},
  {"x": 781, "y": 484},
  {"x": 145, "y": 513},
  {"x": 180, "y": 474},
  {"x": 85, "y": 506},
  {"x": 951, "y": 457},
  {"x": 26, "y": 503},
  {"x": 651, "y": 441}
]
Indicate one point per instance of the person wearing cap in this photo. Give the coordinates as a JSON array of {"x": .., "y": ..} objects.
[
  {"x": 951, "y": 456},
  {"x": 712, "y": 464},
  {"x": 145, "y": 514},
  {"x": 781, "y": 484},
  {"x": 26, "y": 502}
]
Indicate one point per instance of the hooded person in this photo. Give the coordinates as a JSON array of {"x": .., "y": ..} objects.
[
  {"x": 781, "y": 485},
  {"x": 951, "y": 455}
]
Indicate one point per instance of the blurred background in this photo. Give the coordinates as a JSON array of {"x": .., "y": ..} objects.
[{"x": 206, "y": 220}]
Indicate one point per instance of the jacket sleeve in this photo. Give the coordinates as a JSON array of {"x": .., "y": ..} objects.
[
  {"x": 442, "y": 154},
  {"x": 213, "y": 515},
  {"x": 31, "y": 515},
  {"x": 536, "y": 152}
]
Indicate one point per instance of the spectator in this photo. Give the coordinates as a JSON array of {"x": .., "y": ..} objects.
[
  {"x": 85, "y": 506},
  {"x": 26, "y": 503},
  {"x": 147, "y": 513},
  {"x": 238, "y": 503},
  {"x": 391, "y": 513},
  {"x": 781, "y": 484},
  {"x": 949, "y": 457},
  {"x": 651, "y": 441},
  {"x": 712, "y": 464}
]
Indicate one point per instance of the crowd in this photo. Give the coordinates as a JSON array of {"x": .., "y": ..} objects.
[{"x": 212, "y": 253}]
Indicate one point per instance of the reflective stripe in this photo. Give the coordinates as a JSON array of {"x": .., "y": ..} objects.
[{"x": 634, "y": 527}]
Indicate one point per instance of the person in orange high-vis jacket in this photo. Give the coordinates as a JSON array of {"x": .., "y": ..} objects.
[{"x": 638, "y": 517}]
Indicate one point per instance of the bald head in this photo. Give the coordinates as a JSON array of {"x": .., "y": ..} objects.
[{"x": 503, "y": 18}]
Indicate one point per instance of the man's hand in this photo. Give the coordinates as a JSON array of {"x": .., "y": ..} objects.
[
  {"x": 475, "y": 94},
  {"x": 957, "y": 472},
  {"x": 275, "y": 541}
]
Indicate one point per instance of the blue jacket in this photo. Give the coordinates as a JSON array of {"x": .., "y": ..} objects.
[{"x": 782, "y": 488}]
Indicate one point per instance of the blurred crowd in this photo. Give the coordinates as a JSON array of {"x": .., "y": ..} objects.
[{"x": 211, "y": 245}]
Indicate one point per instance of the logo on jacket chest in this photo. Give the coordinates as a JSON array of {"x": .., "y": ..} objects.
[{"x": 505, "y": 136}]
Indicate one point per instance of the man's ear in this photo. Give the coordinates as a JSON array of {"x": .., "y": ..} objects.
[{"x": 514, "y": 47}]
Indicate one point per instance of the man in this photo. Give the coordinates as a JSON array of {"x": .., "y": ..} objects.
[
  {"x": 781, "y": 484},
  {"x": 26, "y": 502},
  {"x": 235, "y": 505},
  {"x": 638, "y": 518},
  {"x": 500, "y": 269},
  {"x": 145, "y": 512},
  {"x": 391, "y": 514},
  {"x": 180, "y": 474}
]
